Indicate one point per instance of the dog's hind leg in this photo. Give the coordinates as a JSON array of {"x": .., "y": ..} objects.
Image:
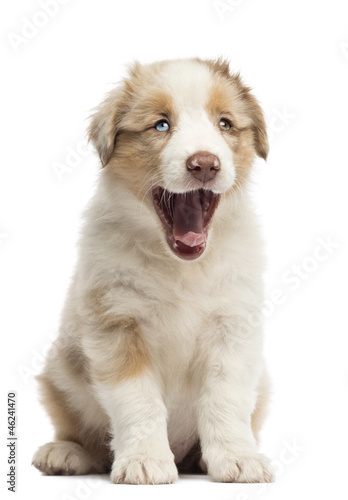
[
  {"x": 262, "y": 403},
  {"x": 76, "y": 449}
]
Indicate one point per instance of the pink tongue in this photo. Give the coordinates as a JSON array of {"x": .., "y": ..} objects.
[
  {"x": 191, "y": 239},
  {"x": 188, "y": 219}
]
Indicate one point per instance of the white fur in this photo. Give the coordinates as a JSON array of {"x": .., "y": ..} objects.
[{"x": 139, "y": 422}]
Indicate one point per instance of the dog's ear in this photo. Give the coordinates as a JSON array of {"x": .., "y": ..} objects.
[
  {"x": 105, "y": 124},
  {"x": 258, "y": 121},
  {"x": 259, "y": 127}
]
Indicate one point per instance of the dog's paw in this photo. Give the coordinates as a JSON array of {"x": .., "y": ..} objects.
[
  {"x": 246, "y": 469},
  {"x": 62, "y": 457},
  {"x": 144, "y": 470}
]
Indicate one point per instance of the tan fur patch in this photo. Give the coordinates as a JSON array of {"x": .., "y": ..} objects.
[
  {"x": 99, "y": 306},
  {"x": 65, "y": 421},
  {"x": 136, "y": 160},
  {"x": 122, "y": 351},
  {"x": 74, "y": 359},
  {"x": 139, "y": 145}
]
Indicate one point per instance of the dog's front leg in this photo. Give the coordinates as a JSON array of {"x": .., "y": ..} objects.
[
  {"x": 130, "y": 393},
  {"x": 139, "y": 426},
  {"x": 228, "y": 380}
]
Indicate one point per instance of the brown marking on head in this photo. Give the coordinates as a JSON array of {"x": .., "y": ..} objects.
[
  {"x": 122, "y": 128},
  {"x": 231, "y": 99},
  {"x": 246, "y": 100}
]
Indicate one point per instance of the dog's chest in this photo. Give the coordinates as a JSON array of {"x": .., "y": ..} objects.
[
  {"x": 173, "y": 309},
  {"x": 171, "y": 333}
]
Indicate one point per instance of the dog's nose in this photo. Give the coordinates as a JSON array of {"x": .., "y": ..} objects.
[{"x": 203, "y": 166}]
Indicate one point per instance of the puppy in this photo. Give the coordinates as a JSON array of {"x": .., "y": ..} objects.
[{"x": 158, "y": 365}]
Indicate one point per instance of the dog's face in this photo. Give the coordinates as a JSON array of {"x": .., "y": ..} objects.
[{"x": 179, "y": 135}]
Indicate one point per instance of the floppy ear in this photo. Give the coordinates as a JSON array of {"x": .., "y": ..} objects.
[
  {"x": 105, "y": 123},
  {"x": 255, "y": 112},
  {"x": 258, "y": 122},
  {"x": 259, "y": 128}
]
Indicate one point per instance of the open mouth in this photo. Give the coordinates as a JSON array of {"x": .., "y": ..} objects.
[{"x": 186, "y": 218}]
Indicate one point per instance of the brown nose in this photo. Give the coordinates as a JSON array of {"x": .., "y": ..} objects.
[{"x": 203, "y": 166}]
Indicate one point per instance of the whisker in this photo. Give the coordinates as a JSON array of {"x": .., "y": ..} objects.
[
  {"x": 147, "y": 177},
  {"x": 152, "y": 183}
]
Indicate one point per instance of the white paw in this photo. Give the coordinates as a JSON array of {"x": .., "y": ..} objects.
[
  {"x": 246, "y": 469},
  {"x": 144, "y": 470},
  {"x": 62, "y": 457}
]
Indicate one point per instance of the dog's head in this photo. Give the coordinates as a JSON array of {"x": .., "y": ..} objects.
[{"x": 179, "y": 135}]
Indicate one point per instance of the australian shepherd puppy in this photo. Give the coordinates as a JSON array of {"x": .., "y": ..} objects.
[{"x": 158, "y": 366}]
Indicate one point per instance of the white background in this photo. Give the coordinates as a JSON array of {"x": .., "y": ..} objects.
[{"x": 295, "y": 56}]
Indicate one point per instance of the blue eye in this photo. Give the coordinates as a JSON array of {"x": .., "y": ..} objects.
[{"x": 162, "y": 126}]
